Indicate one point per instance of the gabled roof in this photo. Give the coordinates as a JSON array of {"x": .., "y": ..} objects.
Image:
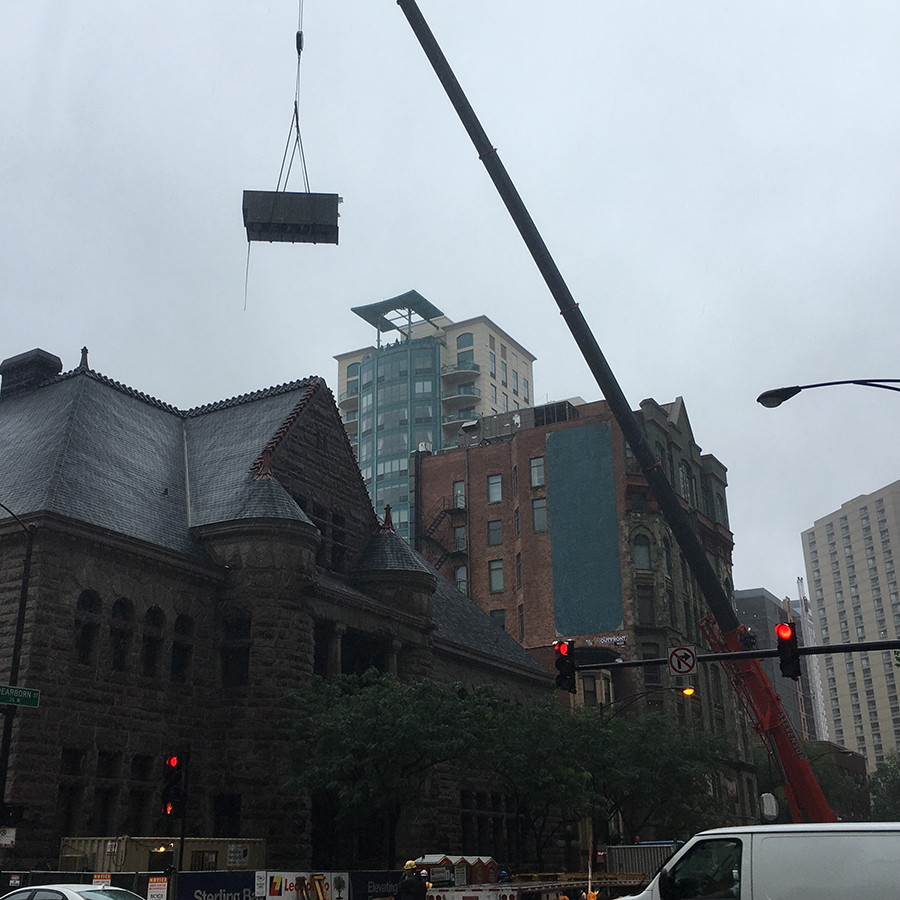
[
  {"x": 225, "y": 445},
  {"x": 88, "y": 448}
]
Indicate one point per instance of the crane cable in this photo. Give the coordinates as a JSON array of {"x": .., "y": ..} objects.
[
  {"x": 293, "y": 134},
  {"x": 294, "y": 129}
]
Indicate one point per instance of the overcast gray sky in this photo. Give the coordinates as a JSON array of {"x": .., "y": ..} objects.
[{"x": 719, "y": 183}]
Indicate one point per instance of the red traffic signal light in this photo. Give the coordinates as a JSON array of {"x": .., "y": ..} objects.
[
  {"x": 784, "y": 630},
  {"x": 565, "y": 665},
  {"x": 174, "y": 787},
  {"x": 788, "y": 650}
]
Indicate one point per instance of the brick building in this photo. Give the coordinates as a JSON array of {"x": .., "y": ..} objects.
[
  {"x": 189, "y": 568},
  {"x": 543, "y": 517}
]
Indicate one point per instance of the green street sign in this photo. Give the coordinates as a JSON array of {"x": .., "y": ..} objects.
[{"x": 17, "y": 696}]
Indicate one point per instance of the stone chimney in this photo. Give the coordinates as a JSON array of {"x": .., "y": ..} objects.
[{"x": 28, "y": 370}]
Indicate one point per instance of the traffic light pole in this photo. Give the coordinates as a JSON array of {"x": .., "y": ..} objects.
[{"x": 814, "y": 650}]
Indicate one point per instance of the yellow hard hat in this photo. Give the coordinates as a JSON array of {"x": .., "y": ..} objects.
[{"x": 410, "y": 864}]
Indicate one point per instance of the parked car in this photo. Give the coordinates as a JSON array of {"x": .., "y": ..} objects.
[{"x": 71, "y": 892}]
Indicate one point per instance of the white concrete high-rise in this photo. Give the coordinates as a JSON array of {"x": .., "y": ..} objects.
[{"x": 854, "y": 598}]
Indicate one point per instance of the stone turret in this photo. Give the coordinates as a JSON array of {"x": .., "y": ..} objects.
[{"x": 392, "y": 571}]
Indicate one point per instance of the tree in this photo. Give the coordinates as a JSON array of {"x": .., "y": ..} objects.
[
  {"x": 650, "y": 771},
  {"x": 836, "y": 786},
  {"x": 884, "y": 789},
  {"x": 367, "y": 744},
  {"x": 530, "y": 755}
]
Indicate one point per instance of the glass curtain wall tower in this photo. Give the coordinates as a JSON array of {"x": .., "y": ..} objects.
[{"x": 417, "y": 388}]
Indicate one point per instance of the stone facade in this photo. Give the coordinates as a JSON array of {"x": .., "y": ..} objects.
[{"x": 189, "y": 569}]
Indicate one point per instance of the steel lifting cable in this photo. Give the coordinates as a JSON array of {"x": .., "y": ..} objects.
[{"x": 294, "y": 130}]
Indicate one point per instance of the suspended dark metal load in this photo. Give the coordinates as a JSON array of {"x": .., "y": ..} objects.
[{"x": 291, "y": 217}]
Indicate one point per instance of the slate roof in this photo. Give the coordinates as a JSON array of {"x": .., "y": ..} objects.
[
  {"x": 386, "y": 551},
  {"x": 89, "y": 448},
  {"x": 460, "y": 620}
]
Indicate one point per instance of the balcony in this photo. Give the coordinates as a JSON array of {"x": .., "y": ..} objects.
[
  {"x": 461, "y": 392},
  {"x": 349, "y": 399},
  {"x": 460, "y": 370}
]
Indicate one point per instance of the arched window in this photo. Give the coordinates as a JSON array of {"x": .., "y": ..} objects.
[
  {"x": 182, "y": 649},
  {"x": 640, "y": 550},
  {"x": 464, "y": 340},
  {"x": 120, "y": 634},
  {"x": 87, "y": 613},
  {"x": 151, "y": 641},
  {"x": 461, "y": 574}
]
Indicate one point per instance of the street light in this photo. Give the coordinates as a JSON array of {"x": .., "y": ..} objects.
[{"x": 777, "y": 396}]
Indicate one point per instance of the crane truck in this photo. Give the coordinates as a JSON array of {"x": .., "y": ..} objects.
[{"x": 724, "y": 631}]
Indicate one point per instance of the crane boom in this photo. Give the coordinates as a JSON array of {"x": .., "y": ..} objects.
[{"x": 809, "y": 802}]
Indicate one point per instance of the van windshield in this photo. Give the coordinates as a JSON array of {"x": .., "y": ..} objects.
[{"x": 709, "y": 869}]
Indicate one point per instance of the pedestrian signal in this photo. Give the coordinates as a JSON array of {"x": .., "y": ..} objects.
[
  {"x": 565, "y": 665},
  {"x": 788, "y": 650}
]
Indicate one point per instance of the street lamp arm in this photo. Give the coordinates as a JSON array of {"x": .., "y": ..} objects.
[
  {"x": 777, "y": 396},
  {"x": 24, "y": 526}
]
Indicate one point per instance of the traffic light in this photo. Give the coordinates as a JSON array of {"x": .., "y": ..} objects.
[
  {"x": 565, "y": 665},
  {"x": 173, "y": 786},
  {"x": 788, "y": 650}
]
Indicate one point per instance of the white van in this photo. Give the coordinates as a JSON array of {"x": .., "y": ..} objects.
[{"x": 859, "y": 861}]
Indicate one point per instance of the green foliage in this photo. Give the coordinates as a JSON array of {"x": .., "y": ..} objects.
[
  {"x": 649, "y": 770},
  {"x": 836, "y": 786},
  {"x": 370, "y": 743},
  {"x": 530, "y": 755},
  {"x": 884, "y": 789}
]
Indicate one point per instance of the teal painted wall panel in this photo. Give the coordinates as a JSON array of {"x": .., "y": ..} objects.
[{"x": 587, "y": 577}]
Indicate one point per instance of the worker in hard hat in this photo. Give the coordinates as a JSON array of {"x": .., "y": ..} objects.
[{"x": 412, "y": 886}]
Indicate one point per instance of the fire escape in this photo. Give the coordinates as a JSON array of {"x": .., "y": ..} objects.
[{"x": 442, "y": 533}]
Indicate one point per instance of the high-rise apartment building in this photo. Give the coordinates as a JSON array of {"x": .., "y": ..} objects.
[
  {"x": 853, "y": 585},
  {"x": 416, "y": 389}
]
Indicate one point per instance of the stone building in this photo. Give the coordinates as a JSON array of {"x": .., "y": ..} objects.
[
  {"x": 544, "y": 518},
  {"x": 189, "y": 568}
]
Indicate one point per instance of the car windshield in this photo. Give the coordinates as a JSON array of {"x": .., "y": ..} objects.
[{"x": 112, "y": 893}]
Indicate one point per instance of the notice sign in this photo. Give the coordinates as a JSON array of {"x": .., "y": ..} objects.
[
  {"x": 157, "y": 887},
  {"x": 7, "y": 838},
  {"x": 103, "y": 879},
  {"x": 238, "y": 856}
]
